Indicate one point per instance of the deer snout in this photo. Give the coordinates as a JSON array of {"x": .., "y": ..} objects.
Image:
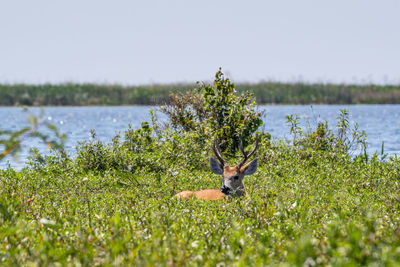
[{"x": 225, "y": 189}]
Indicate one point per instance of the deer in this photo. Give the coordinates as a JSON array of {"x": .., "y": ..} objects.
[{"x": 232, "y": 177}]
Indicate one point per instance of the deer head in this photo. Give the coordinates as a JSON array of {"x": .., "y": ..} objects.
[{"x": 233, "y": 176}]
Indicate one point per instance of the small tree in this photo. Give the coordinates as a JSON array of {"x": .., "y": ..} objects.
[
  {"x": 217, "y": 111},
  {"x": 231, "y": 117}
]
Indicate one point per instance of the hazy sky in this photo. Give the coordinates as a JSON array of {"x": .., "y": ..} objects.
[{"x": 148, "y": 41}]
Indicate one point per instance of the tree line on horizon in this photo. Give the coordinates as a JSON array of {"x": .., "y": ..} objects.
[{"x": 265, "y": 93}]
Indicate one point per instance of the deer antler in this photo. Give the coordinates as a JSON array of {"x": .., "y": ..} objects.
[
  {"x": 245, "y": 155},
  {"x": 217, "y": 151}
]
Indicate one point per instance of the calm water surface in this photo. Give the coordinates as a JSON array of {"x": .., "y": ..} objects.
[{"x": 380, "y": 122}]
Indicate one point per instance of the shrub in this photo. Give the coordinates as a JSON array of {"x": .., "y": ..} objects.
[
  {"x": 94, "y": 155},
  {"x": 347, "y": 140},
  {"x": 216, "y": 112}
]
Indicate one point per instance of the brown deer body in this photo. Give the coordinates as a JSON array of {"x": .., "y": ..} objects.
[{"x": 232, "y": 177}]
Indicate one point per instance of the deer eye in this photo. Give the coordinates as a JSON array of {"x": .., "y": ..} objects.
[{"x": 235, "y": 177}]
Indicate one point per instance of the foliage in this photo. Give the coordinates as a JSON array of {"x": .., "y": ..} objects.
[
  {"x": 85, "y": 94},
  {"x": 10, "y": 141},
  {"x": 230, "y": 117},
  {"x": 216, "y": 112},
  {"x": 157, "y": 94},
  {"x": 186, "y": 111},
  {"x": 347, "y": 140},
  {"x": 309, "y": 203},
  {"x": 319, "y": 210}
]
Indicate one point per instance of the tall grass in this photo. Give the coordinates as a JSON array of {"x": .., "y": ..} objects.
[
  {"x": 309, "y": 203},
  {"x": 306, "y": 205}
]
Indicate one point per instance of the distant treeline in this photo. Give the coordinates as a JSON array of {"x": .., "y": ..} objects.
[{"x": 265, "y": 93}]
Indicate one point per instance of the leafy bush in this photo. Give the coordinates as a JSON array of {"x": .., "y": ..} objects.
[
  {"x": 94, "y": 155},
  {"x": 231, "y": 118},
  {"x": 186, "y": 111},
  {"x": 347, "y": 140},
  {"x": 216, "y": 112}
]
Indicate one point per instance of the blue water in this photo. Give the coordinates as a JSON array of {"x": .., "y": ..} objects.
[{"x": 380, "y": 122}]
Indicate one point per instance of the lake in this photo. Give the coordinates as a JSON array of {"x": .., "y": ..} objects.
[{"x": 380, "y": 122}]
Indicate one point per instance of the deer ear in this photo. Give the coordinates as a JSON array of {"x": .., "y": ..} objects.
[
  {"x": 215, "y": 167},
  {"x": 250, "y": 167}
]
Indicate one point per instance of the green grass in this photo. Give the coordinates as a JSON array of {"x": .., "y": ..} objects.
[
  {"x": 300, "y": 208},
  {"x": 309, "y": 203}
]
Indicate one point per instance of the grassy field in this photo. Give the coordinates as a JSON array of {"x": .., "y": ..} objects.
[
  {"x": 302, "y": 207},
  {"x": 265, "y": 93},
  {"x": 311, "y": 201}
]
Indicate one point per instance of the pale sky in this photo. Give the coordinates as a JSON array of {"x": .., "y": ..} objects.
[{"x": 149, "y": 41}]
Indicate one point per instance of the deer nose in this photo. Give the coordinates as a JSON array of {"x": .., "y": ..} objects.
[{"x": 225, "y": 189}]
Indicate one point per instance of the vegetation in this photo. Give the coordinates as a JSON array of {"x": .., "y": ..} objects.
[
  {"x": 10, "y": 142},
  {"x": 264, "y": 92},
  {"x": 216, "y": 111},
  {"x": 304, "y": 93},
  {"x": 311, "y": 202}
]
